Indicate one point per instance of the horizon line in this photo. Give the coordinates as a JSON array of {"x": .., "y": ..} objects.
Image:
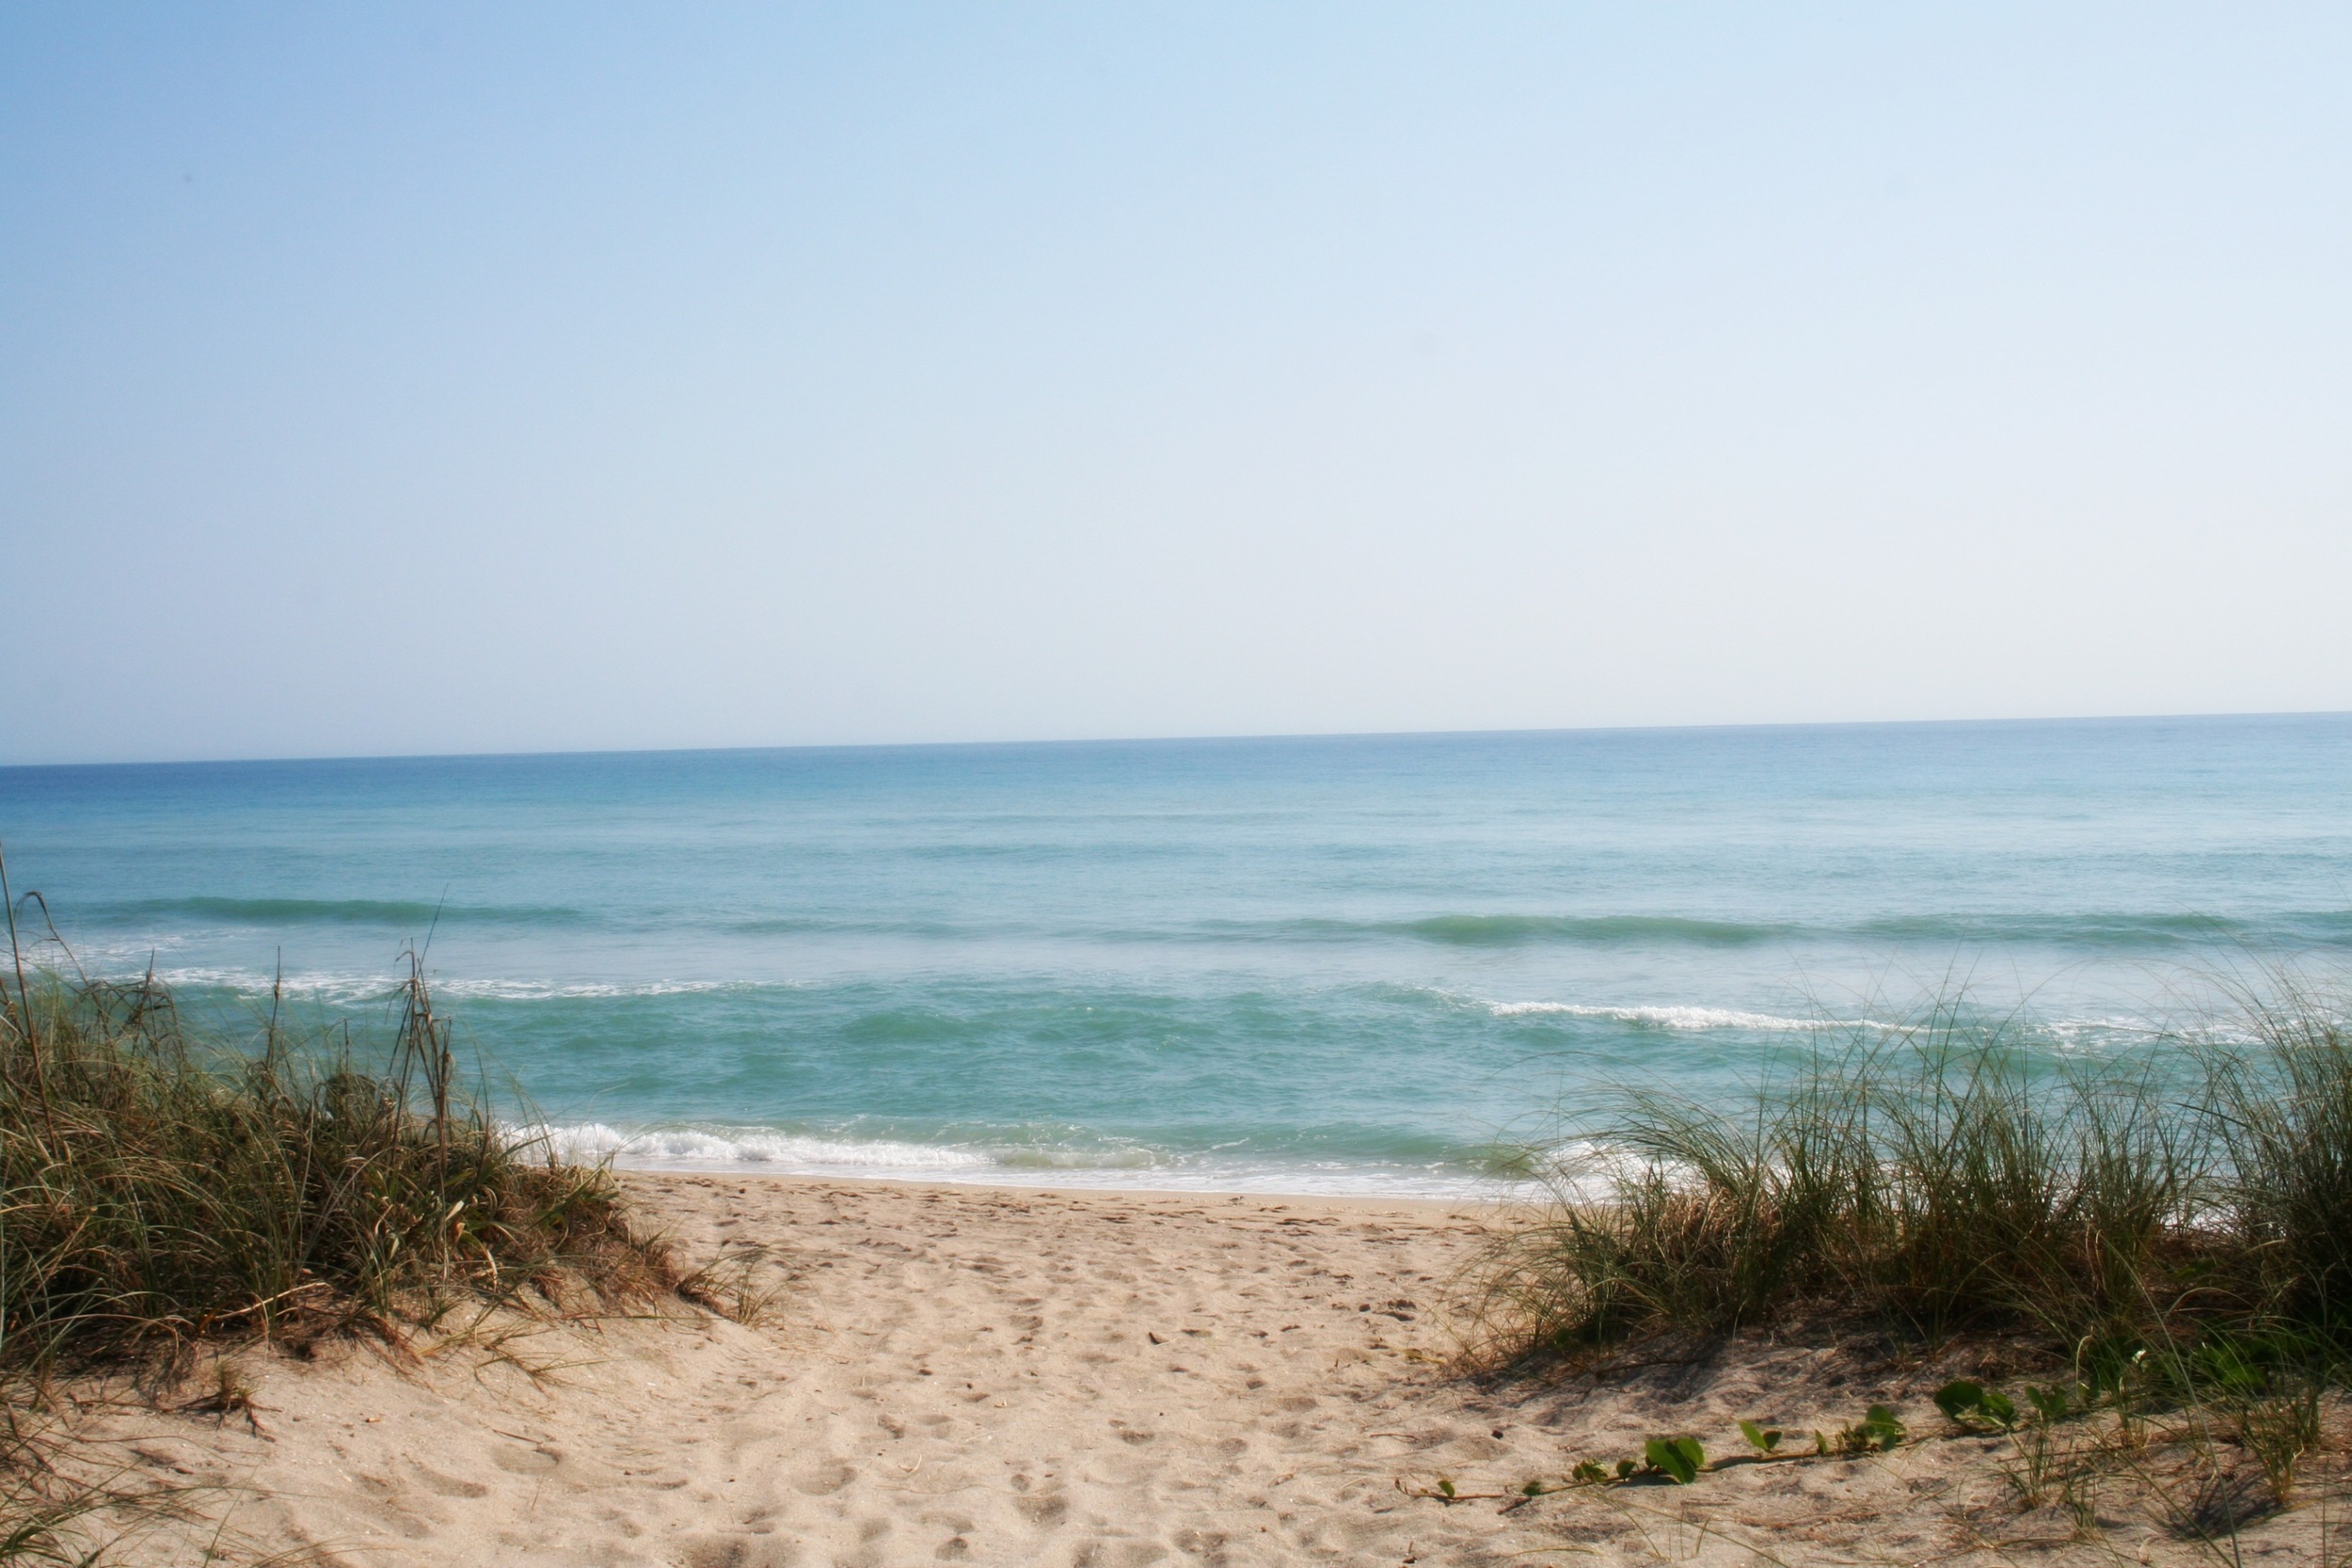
[{"x": 1185, "y": 739}]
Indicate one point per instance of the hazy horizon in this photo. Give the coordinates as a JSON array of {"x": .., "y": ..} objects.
[
  {"x": 1018, "y": 741},
  {"x": 442, "y": 382}
]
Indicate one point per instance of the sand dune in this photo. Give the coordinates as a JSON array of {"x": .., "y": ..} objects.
[{"x": 1001, "y": 1376}]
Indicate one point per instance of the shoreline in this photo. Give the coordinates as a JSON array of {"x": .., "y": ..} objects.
[{"x": 1423, "y": 1204}]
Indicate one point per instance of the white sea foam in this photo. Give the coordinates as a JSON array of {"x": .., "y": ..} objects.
[
  {"x": 361, "y": 988},
  {"x": 2075, "y": 1031},
  {"x": 688, "y": 1147},
  {"x": 2064, "y": 1034},
  {"x": 1686, "y": 1018},
  {"x": 247, "y": 982},
  {"x": 541, "y": 991},
  {"x": 777, "y": 1152}
]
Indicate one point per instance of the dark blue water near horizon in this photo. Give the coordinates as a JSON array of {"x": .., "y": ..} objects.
[{"x": 1356, "y": 963}]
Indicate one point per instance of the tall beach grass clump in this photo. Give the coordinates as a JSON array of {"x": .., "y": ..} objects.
[
  {"x": 166, "y": 1186},
  {"x": 160, "y": 1183},
  {"x": 1956, "y": 1176}
]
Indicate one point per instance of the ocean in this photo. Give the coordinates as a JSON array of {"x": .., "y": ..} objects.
[{"x": 1376, "y": 964}]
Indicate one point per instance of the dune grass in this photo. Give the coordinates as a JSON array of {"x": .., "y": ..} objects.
[
  {"x": 2160, "y": 1237},
  {"x": 164, "y": 1186},
  {"x": 1950, "y": 1178},
  {"x": 159, "y": 1188}
]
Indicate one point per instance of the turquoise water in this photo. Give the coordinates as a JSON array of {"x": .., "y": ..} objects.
[{"x": 1359, "y": 964}]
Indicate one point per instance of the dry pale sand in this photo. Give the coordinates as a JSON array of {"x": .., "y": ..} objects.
[{"x": 953, "y": 1374}]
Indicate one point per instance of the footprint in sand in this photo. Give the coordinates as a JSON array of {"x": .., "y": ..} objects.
[{"x": 827, "y": 1478}]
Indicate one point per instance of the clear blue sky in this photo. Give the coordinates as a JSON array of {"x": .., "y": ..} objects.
[{"x": 483, "y": 379}]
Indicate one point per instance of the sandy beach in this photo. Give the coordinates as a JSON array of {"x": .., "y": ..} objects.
[{"x": 990, "y": 1375}]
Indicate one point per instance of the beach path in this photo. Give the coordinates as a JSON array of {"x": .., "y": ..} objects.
[
  {"x": 946, "y": 1374},
  {"x": 949, "y": 1374}
]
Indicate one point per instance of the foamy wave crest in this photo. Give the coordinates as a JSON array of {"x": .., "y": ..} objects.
[
  {"x": 1692, "y": 1019},
  {"x": 543, "y": 991},
  {"x": 2063, "y": 1034},
  {"x": 363, "y": 987},
  {"x": 249, "y": 982},
  {"x": 2100, "y": 1031},
  {"x": 687, "y": 1146},
  {"x": 776, "y": 1152}
]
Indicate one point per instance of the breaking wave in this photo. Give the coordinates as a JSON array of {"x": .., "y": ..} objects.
[
  {"x": 1686, "y": 1018},
  {"x": 774, "y": 1151}
]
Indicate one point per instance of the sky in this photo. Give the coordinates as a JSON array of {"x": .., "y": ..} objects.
[{"x": 459, "y": 378}]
